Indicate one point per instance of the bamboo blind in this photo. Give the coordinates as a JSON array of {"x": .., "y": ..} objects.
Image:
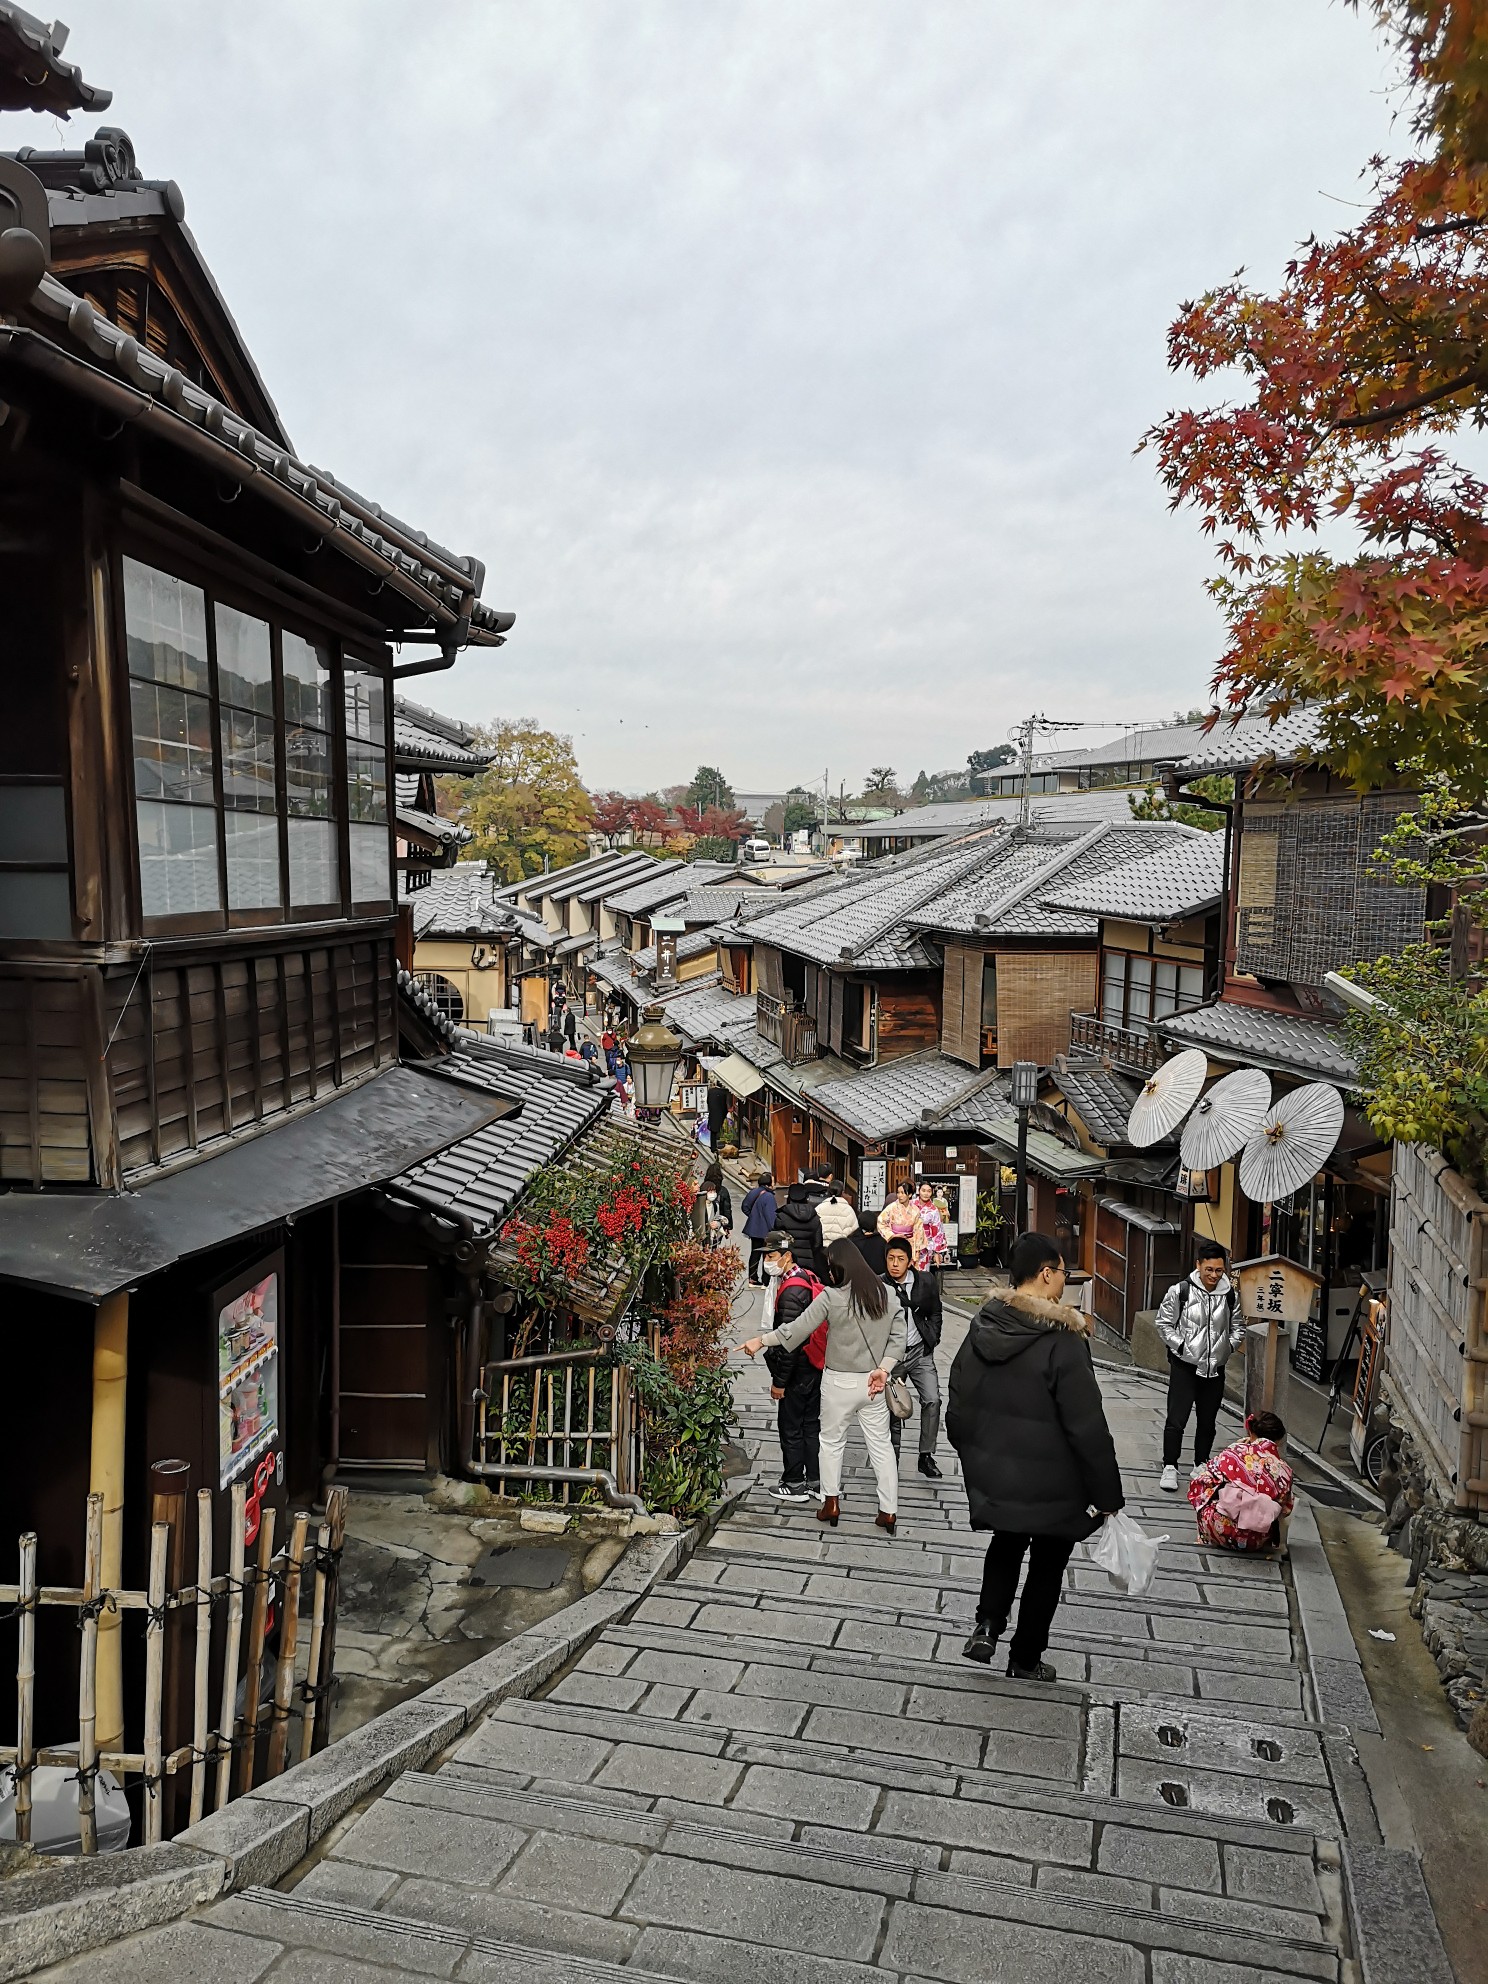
[{"x": 1037, "y": 991}]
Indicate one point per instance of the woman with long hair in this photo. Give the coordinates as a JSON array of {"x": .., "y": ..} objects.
[
  {"x": 865, "y": 1340},
  {"x": 900, "y": 1220}
]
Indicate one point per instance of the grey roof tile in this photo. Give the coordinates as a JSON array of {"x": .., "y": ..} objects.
[
  {"x": 417, "y": 746},
  {"x": 1102, "y": 1100},
  {"x": 1176, "y": 881},
  {"x": 666, "y": 882},
  {"x": 1235, "y": 747},
  {"x": 1065, "y": 810},
  {"x": 1258, "y": 1037},
  {"x": 454, "y": 902},
  {"x": 861, "y": 919},
  {"x": 892, "y": 1099},
  {"x": 484, "y": 1174},
  {"x": 432, "y": 826},
  {"x": 713, "y": 1013}
]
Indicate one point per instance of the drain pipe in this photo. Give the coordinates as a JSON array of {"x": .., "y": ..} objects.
[{"x": 588, "y": 1477}]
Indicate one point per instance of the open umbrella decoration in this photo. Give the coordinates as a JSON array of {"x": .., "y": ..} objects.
[
  {"x": 1226, "y": 1119},
  {"x": 1294, "y": 1141},
  {"x": 1166, "y": 1099}
]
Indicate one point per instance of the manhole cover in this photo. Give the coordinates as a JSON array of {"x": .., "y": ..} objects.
[{"x": 537, "y": 1567}]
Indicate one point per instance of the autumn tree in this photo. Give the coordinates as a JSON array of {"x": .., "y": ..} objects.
[
  {"x": 1356, "y": 373},
  {"x": 530, "y": 805},
  {"x": 613, "y": 814},
  {"x": 649, "y": 818}
]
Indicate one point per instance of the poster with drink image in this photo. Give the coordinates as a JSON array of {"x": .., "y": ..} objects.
[{"x": 247, "y": 1374}]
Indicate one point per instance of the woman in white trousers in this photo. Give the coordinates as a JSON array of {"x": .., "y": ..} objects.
[{"x": 865, "y": 1340}]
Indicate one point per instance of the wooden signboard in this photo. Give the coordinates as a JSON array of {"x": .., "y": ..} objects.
[
  {"x": 1371, "y": 1344},
  {"x": 1276, "y": 1295},
  {"x": 873, "y": 1184}
]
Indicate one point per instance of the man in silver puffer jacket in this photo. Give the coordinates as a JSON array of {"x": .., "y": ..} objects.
[{"x": 1200, "y": 1322}]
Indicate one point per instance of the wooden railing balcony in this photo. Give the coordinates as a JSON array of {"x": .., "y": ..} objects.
[
  {"x": 790, "y": 1027},
  {"x": 1133, "y": 1047}
]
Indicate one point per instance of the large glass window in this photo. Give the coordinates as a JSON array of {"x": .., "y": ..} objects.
[
  {"x": 309, "y": 773},
  {"x": 250, "y": 785},
  {"x": 366, "y": 784},
  {"x": 239, "y": 791},
  {"x": 174, "y": 769},
  {"x": 1135, "y": 989}
]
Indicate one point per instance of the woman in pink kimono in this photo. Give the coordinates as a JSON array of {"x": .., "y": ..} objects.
[
  {"x": 900, "y": 1220},
  {"x": 932, "y": 1231},
  {"x": 1243, "y": 1496}
]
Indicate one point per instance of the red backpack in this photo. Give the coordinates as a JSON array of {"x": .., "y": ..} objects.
[{"x": 815, "y": 1345}]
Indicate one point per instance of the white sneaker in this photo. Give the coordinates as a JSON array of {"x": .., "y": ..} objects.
[{"x": 1169, "y": 1480}]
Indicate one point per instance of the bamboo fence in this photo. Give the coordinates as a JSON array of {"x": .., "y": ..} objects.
[{"x": 264, "y": 1591}]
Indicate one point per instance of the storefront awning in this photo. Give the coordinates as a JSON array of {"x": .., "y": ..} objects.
[
  {"x": 738, "y": 1077},
  {"x": 86, "y": 1245},
  {"x": 1046, "y": 1154}
]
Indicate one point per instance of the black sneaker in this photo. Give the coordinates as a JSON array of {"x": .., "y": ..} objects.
[
  {"x": 1040, "y": 1671},
  {"x": 928, "y": 1467},
  {"x": 792, "y": 1494},
  {"x": 982, "y": 1644}
]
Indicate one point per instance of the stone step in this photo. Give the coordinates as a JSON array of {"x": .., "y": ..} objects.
[
  {"x": 631, "y": 1872},
  {"x": 828, "y": 1779}
]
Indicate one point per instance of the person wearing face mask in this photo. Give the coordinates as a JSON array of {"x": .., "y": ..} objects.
[
  {"x": 795, "y": 1375},
  {"x": 713, "y": 1209},
  {"x": 915, "y": 1291}
]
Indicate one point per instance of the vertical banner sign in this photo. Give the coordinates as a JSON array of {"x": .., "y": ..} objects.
[
  {"x": 966, "y": 1209},
  {"x": 873, "y": 1188}
]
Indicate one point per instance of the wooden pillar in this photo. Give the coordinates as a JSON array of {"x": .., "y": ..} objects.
[{"x": 106, "y": 1478}]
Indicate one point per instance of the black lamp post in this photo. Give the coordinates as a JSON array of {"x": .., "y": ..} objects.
[
  {"x": 1025, "y": 1094},
  {"x": 654, "y": 1053}
]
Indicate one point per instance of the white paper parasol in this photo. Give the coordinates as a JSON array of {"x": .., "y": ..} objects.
[
  {"x": 1167, "y": 1097},
  {"x": 1225, "y": 1119},
  {"x": 1294, "y": 1141}
]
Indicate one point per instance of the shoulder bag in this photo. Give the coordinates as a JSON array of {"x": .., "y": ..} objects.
[{"x": 898, "y": 1392}]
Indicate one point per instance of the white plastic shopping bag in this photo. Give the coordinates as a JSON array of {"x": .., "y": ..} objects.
[{"x": 1126, "y": 1553}]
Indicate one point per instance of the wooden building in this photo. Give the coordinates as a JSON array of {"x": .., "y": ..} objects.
[{"x": 199, "y": 1006}]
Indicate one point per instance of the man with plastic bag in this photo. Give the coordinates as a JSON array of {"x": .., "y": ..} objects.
[
  {"x": 1027, "y": 1419},
  {"x": 1200, "y": 1322}
]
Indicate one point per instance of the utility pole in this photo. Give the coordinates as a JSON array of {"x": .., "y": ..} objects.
[{"x": 826, "y": 805}]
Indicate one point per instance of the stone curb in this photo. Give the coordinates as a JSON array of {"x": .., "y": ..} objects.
[
  {"x": 1391, "y": 1919},
  {"x": 68, "y": 1907}
]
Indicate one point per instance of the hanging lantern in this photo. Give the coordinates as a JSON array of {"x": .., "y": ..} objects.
[{"x": 654, "y": 1053}]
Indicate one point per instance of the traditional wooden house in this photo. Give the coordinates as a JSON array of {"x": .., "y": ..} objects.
[
  {"x": 427, "y": 746},
  {"x": 198, "y": 973}
]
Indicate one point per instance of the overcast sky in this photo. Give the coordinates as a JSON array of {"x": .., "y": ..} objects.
[{"x": 783, "y": 359}]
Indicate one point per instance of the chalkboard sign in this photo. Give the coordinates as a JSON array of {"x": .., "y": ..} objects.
[{"x": 1310, "y": 1350}]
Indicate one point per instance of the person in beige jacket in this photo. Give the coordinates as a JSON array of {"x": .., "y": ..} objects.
[{"x": 835, "y": 1214}]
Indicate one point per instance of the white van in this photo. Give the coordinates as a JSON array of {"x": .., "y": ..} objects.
[{"x": 755, "y": 849}]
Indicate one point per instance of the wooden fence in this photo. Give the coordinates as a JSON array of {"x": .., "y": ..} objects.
[
  {"x": 1436, "y": 1371},
  {"x": 178, "y": 1621},
  {"x": 569, "y": 1412}
]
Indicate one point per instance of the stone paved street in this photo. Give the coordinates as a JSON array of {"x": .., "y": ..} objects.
[{"x": 780, "y": 1770}]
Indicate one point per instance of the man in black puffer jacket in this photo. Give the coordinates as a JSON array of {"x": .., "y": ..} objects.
[
  {"x": 795, "y": 1216},
  {"x": 1026, "y": 1417}
]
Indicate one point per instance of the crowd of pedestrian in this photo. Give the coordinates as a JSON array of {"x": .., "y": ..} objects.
[{"x": 852, "y": 1321}]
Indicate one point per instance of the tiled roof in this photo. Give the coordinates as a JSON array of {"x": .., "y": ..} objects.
[
  {"x": 891, "y": 1099},
  {"x": 438, "y": 1022},
  {"x": 416, "y": 744},
  {"x": 121, "y": 373},
  {"x": 861, "y": 919},
  {"x": 454, "y": 902},
  {"x": 714, "y": 1013},
  {"x": 405, "y": 788},
  {"x": 432, "y": 826},
  {"x": 691, "y": 944},
  {"x": 33, "y": 75},
  {"x": 615, "y": 865},
  {"x": 484, "y": 1174},
  {"x": 1016, "y": 891},
  {"x": 666, "y": 882},
  {"x": 628, "y": 867},
  {"x": 716, "y": 905},
  {"x": 1235, "y": 747},
  {"x": 1184, "y": 876},
  {"x": 1103, "y": 1101},
  {"x": 1065, "y": 810},
  {"x": 1253, "y": 1036}
]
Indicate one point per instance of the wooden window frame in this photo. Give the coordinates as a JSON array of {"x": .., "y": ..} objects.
[{"x": 152, "y": 548}]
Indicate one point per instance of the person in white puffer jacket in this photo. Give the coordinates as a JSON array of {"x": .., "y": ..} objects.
[
  {"x": 1200, "y": 1322},
  {"x": 835, "y": 1215}
]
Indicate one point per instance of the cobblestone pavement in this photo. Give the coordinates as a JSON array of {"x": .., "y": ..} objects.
[{"x": 780, "y": 1770}]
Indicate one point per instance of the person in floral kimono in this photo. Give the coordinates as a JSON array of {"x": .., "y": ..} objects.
[
  {"x": 1243, "y": 1496},
  {"x": 900, "y": 1220},
  {"x": 932, "y": 1231}
]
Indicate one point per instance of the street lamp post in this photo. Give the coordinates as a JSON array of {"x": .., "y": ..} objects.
[
  {"x": 654, "y": 1054},
  {"x": 1025, "y": 1094}
]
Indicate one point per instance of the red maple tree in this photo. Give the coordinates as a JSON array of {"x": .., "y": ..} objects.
[
  {"x": 1374, "y": 347},
  {"x": 723, "y": 823},
  {"x": 649, "y": 819},
  {"x": 612, "y": 814}
]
